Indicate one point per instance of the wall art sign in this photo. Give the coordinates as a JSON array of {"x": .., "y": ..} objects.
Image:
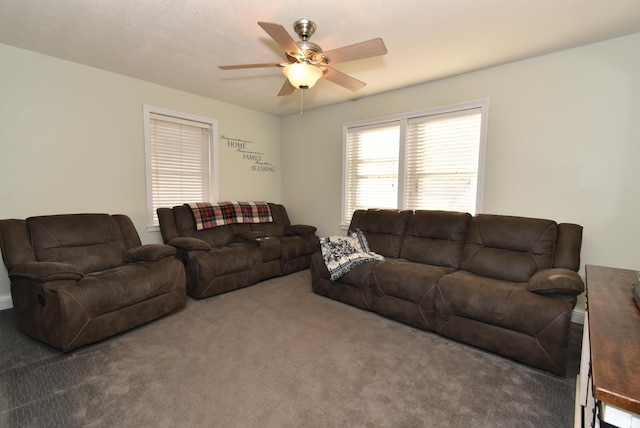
[{"x": 257, "y": 160}]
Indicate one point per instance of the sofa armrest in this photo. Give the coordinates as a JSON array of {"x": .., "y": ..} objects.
[
  {"x": 46, "y": 271},
  {"x": 556, "y": 281},
  {"x": 189, "y": 244},
  {"x": 299, "y": 230},
  {"x": 149, "y": 253}
]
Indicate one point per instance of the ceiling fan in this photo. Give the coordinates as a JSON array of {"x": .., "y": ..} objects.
[{"x": 306, "y": 62}]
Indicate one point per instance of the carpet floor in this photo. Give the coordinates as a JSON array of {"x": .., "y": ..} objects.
[{"x": 276, "y": 355}]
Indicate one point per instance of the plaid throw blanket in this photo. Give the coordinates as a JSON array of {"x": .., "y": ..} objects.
[{"x": 220, "y": 213}]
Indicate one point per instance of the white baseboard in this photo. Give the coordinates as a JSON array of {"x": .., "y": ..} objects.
[
  {"x": 5, "y": 302},
  {"x": 577, "y": 316}
]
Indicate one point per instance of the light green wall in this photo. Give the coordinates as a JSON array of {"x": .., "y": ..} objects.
[
  {"x": 71, "y": 140},
  {"x": 563, "y": 143}
]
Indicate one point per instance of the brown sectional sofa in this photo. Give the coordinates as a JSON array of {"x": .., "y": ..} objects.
[
  {"x": 80, "y": 278},
  {"x": 502, "y": 283},
  {"x": 228, "y": 257}
]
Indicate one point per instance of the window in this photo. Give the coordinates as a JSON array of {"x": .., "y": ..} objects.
[
  {"x": 371, "y": 175},
  {"x": 431, "y": 159},
  {"x": 181, "y": 155}
]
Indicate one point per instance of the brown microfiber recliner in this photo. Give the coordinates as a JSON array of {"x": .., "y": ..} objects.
[{"x": 79, "y": 278}]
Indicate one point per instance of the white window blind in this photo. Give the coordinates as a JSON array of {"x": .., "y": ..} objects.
[
  {"x": 431, "y": 160},
  {"x": 179, "y": 162},
  {"x": 442, "y": 161},
  {"x": 371, "y": 154}
]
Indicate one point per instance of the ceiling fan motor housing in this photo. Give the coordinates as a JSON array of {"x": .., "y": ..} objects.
[{"x": 304, "y": 28}]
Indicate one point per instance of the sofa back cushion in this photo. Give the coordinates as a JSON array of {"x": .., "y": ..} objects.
[
  {"x": 509, "y": 248},
  {"x": 93, "y": 242},
  {"x": 218, "y": 236},
  {"x": 280, "y": 222},
  {"x": 384, "y": 229},
  {"x": 436, "y": 237},
  {"x": 221, "y": 236}
]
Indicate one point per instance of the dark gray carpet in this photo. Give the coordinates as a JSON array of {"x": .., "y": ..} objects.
[{"x": 275, "y": 355}]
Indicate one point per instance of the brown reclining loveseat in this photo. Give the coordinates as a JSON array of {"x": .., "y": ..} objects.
[
  {"x": 502, "y": 283},
  {"x": 79, "y": 278},
  {"x": 231, "y": 256}
]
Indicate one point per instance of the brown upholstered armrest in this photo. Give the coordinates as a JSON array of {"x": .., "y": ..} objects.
[
  {"x": 149, "y": 253},
  {"x": 556, "y": 281},
  {"x": 189, "y": 244},
  {"x": 300, "y": 230},
  {"x": 46, "y": 271}
]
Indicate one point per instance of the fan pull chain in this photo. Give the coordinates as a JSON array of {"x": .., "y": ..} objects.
[{"x": 301, "y": 99}]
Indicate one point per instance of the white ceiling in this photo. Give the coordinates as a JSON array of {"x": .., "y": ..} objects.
[{"x": 180, "y": 44}]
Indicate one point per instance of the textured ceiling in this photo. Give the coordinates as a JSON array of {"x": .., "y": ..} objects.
[{"x": 180, "y": 44}]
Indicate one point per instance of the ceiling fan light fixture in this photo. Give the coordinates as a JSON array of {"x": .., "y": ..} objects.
[{"x": 302, "y": 75}]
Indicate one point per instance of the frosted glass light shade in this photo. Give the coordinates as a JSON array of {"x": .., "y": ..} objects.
[{"x": 302, "y": 75}]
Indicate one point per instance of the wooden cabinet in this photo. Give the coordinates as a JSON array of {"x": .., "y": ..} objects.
[{"x": 608, "y": 387}]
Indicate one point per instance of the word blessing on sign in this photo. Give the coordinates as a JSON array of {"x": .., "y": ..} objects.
[{"x": 256, "y": 159}]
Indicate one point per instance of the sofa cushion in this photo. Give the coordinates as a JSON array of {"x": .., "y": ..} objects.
[
  {"x": 384, "y": 229},
  {"x": 436, "y": 237},
  {"x": 491, "y": 301},
  {"x": 186, "y": 227},
  {"x": 226, "y": 260},
  {"x": 509, "y": 248},
  {"x": 92, "y": 242},
  {"x": 279, "y": 224},
  {"x": 359, "y": 276},
  {"x": 112, "y": 289},
  {"x": 406, "y": 280},
  {"x": 293, "y": 247}
]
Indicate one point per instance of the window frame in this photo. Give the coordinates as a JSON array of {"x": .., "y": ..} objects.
[
  {"x": 403, "y": 120},
  {"x": 211, "y": 163}
]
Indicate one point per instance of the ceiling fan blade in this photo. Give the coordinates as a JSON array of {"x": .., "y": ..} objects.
[
  {"x": 281, "y": 36},
  {"x": 287, "y": 89},
  {"x": 366, "y": 49},
  {"x": 238, "y": 66},
  {"x": 343, "y": 80}
]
